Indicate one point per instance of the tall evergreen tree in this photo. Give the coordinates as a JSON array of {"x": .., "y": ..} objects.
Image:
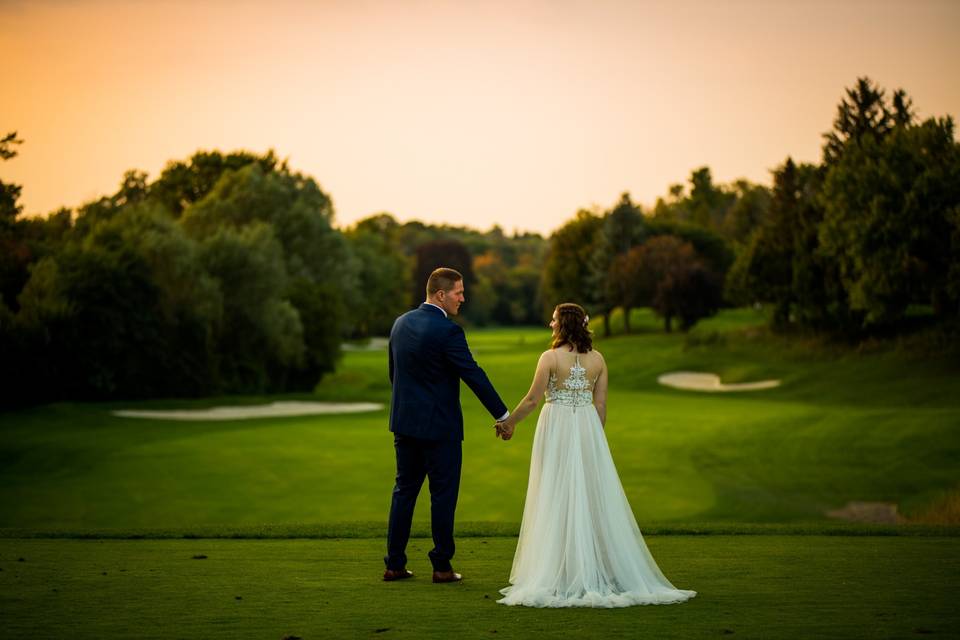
[{"x": 864, "y": 114}]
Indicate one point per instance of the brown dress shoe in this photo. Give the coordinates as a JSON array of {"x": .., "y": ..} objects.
[
  {"x": 447, "y": 576},
  {"x": 396, "y": 574}
]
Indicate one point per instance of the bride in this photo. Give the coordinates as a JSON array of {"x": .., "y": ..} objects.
[{"x": 579, "y": 543}]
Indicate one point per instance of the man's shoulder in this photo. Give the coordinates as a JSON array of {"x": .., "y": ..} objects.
[
  {"x": 427, "y": 317},
  {"x": 399, "y": 320},
  {"x": 406, "y": 314},
  {"x": 440, "y": 326},
  {"x": 414, "y": 314}
]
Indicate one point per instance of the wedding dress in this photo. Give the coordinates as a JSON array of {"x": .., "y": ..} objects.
[{"x": 579, "y": 544}]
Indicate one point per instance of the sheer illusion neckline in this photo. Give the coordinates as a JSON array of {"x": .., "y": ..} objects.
[{"x": 576, "y": 390}]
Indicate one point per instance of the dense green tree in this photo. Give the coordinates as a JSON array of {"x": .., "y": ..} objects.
[
  {"x": 523, "y": 292},
  {"x": 133, "y": 189},
  {"x": 888, "y": 220},
  {"x": 518, "y": 254},
  {"x": 261, "y": 330},
  {"x": 314, "y": 257},
  {"x": 322, "y": 311},
  {"x": 623, "y": 228},
  {"x": 503, "y": 294},
  {"x": 764, "y": 268},
  {"x": 184, "y": 183},
  {"x": 748, "y": 210},
  {"x": 674, "y": 207},
  {"x": 434, "y": 254},
  {"x": 626, "y": 280},
  {"x": 300, "y": 213},
  {"x": 9, "y": 193},
  {"x": 382, "y": 224},
  {"x": 708, "y": 206},
  {"x": 731, "y": 211},
  {"x": 241, "y": 287},
  {"x": 490, "y": 302},
  {"x": 782, "y": 262},
  {"x": 124, "y": 311},
  {"x": 710, "y": 246},
  {"x": 567, "y": 272},
  {"x": 383, "y": 276},
  {"x": 690, "y": 291},
  {"x": 190, "y": 299},
  {"x": 953, "y": 274},
  {"x": 15, "y": 255},
  {"x": 864, "y": 115},
  {"x": 848, "y": 245},
  {"x": 666, "y": 273},
  {"x": 819, "y": 298},
  {"x": 15, "y": 258},
  {"x": 708, "y": 203},
  {"x": 92, "y": 315}
]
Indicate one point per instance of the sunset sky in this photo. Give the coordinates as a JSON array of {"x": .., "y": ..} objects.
[{"x": 472, "y": 113}]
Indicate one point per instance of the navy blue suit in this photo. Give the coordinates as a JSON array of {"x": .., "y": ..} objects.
[{"x": 428, "y": 357}]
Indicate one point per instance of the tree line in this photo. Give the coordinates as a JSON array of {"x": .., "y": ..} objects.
[
  {"x": 843, "y": 247},
  {"x": 227, "y": 274},
  {"x": 850, "y": 243}
]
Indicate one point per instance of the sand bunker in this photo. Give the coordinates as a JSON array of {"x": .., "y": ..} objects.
[
  {"x": 695, "y": 381},
  {"x": 272, "y": 410}
]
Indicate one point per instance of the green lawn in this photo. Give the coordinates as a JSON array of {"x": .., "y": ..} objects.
[
  {"x": 882, "y": 425},
  {"x": 107, "y": 513},
  {"x": 748, "y": 587}
]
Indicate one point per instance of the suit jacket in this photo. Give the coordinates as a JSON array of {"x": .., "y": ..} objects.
[{"x": 428, "y": 358}]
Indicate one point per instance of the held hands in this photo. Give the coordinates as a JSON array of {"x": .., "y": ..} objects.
[{"x": 505, "y": 429}]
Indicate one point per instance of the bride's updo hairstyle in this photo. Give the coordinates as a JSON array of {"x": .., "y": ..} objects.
[{"x": 572, "y": 328}]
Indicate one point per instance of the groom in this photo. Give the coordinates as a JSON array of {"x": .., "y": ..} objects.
[{"x": 428, "y": 358}]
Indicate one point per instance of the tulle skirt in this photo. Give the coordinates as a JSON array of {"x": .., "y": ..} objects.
[{"x": 579, "y": 544}]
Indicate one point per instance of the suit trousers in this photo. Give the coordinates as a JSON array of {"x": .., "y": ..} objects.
[{"x": 417, "y": 459}]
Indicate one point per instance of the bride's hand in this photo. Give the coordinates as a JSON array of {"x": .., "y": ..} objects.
[{"x": 505, "y": 429}]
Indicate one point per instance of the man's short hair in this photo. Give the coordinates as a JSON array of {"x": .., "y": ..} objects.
[{"x": 442, "y": 279}]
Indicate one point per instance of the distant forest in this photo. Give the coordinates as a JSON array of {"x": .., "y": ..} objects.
[{"x": 227, "y": 274}]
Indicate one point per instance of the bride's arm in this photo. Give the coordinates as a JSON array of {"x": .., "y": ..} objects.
[
  {"x": 537, "y": 387},
  {"x": 600, "y": 392}
]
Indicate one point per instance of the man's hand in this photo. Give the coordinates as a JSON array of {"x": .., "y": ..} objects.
[{"x": 505, "y": 429}]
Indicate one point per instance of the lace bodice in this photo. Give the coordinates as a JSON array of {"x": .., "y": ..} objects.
[{"x": 575, "y": 391}]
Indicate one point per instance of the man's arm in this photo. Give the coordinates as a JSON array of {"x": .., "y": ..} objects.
[
  {"x": 390, "y": 359},
  {"x": 458, "y": 354}
]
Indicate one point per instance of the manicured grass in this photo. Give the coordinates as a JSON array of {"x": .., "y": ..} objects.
[
  {"x": 749, "y": 587},
  {"x": 877, "y": 425},
  {"x": 108, "y": 513}
]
